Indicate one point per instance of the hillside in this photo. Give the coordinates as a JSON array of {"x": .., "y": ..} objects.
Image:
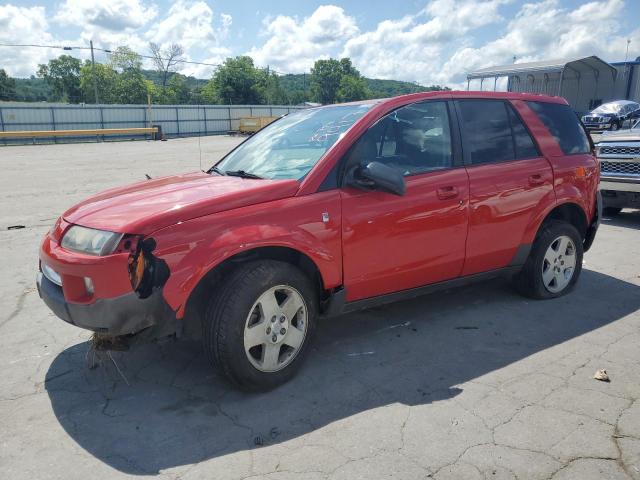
[{"x": 297, "y": 86}]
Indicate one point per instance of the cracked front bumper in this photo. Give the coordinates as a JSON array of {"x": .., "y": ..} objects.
[{"x": 123, "y": 315}]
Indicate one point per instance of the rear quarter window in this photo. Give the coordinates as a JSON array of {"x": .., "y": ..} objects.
[{"x": 564, "y": 125}]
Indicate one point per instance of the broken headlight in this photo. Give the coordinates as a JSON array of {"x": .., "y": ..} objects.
[{"x": 90, "y": 240}]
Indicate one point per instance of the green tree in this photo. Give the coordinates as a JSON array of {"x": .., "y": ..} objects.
[
  {"x": 63, "y": 75},
  {"x": 237, "y": 81},
  {"x": 124, "y": 59},
  {"x": 326, "y": 76},
  {"x": 131, "y": 87},
  {"x": 177, "y": 92},
  {"x": 106, "y": 79},
  {"x": 7, "y": 86},
  {"x": 271, "y": 92},
  {"x": 352, "y": 88}
]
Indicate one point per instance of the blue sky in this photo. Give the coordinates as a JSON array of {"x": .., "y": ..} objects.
[{"x": 430, "y": 41}]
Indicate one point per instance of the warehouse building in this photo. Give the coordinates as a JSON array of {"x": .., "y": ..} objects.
[{"x": 584, "y": 82}]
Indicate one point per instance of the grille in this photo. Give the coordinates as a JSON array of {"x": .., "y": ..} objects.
[
  {"x": 624, "y": 168},
  {"x": 620, "y": 150}
]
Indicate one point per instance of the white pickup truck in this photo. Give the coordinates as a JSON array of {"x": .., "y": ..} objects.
[{"x": 619, "y": 155}]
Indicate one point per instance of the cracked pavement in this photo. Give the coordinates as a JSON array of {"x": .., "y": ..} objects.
[{"x": 472, "y": 383}]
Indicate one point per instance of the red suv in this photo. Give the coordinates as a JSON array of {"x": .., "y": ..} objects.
[{"x": 326, "y": 211}]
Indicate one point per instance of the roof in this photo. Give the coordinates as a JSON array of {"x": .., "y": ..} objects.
[{"x": 585, "y": 63}]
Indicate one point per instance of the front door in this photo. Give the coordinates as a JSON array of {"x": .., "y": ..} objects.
[{"x": 393, "y": 243}]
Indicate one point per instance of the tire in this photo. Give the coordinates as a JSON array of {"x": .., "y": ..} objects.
[
  {"x": 614, "y": 126},
  {"x": 271, "y": 297},
  {"x": 611, "y": 211},
  {"x": 533, "y": 280}
]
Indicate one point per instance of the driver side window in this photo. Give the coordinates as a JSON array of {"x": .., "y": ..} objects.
[{"x": 413, "y": 139}]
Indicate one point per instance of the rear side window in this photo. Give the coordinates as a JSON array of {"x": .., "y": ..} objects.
[
  {"x": 493, "y": 132},
  {"x": 487, "y": 131},
  {"x": 525, "y": 148},
  {"x": 564, "y": 125}
]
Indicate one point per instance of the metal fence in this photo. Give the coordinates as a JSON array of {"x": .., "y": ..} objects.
[{"x": 175, "y": 120}]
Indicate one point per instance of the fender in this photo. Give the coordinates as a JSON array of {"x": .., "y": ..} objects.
[
  {"x": 546, "y": 205},
  {"x": 192, "y": 248}
]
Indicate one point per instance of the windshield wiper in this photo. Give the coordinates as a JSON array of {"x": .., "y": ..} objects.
[
  {"x": 242, "y": 174},
  {"x": 216, "y": 170}
]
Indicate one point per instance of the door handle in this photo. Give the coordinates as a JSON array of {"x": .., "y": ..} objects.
[
  {"x": 536, "y": 179},
  {"x": 445, "y": 193}
]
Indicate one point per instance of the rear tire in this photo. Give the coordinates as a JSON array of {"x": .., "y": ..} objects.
[
  {"x": 611, "y": 211},
  {"x": 259, "y": 324},
  {"x": 554, "y": 263}
]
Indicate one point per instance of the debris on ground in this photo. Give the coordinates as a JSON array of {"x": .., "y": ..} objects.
[
  {"x": 466, "y": 328},
  {"x": 15, "y": 227},
  {"x": 602, "y": 375},
  {"x": 357, "y": 354},
  {"x": 391, "y": 327}
]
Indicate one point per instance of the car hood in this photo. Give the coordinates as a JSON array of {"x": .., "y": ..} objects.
[
  {"x": 147, "y": 206},
  {"x": 621, "y": 136}
]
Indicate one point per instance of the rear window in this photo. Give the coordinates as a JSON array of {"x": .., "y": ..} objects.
[{"x": 564, "y": 125}]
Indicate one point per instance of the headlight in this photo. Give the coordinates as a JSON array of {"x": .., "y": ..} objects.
[{"x": 90, "y": 240}]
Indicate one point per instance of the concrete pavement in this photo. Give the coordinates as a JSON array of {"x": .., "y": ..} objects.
[{"x": 471, "y": 383}]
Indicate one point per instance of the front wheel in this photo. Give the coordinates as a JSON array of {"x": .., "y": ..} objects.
[
  {"x": 554, "y": 264},
  {"x": 259, "y": 324}
]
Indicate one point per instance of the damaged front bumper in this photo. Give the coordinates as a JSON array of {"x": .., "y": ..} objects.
[
  {"x": 95, "y": 293},
  {"x": 124, "y": 315}
]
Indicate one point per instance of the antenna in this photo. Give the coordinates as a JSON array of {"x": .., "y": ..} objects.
[{"x": 199, "y": 135}]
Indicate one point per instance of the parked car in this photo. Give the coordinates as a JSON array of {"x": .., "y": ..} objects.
[
  {"x": 619, "y": 155},
  {"x": 330, "y": 210},
  {"x": 611, "y": 115}
]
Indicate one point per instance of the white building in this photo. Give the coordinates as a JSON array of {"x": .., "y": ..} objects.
[{"x": 584, "y": 82}]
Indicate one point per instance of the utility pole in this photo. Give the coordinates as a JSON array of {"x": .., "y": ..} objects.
[
  {"x": 626, "y": 55},
  {"x": 93, "y": 69}
]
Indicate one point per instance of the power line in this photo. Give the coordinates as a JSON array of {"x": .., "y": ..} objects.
[{"x": 105, "y": 50}]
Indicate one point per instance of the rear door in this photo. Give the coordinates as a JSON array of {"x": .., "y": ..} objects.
[
  {"x": 391, "y": 242},
  {"x": 508, "y": 178}
]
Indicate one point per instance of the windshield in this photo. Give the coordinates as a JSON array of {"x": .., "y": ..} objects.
[
  {"x": 608, "y": 108},
  {"x": 291, "y": 146}
]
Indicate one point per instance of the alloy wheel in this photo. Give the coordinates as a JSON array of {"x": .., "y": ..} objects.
[
  {"x": 275, "y": 328},
  {"x": 559, "y": 264}
]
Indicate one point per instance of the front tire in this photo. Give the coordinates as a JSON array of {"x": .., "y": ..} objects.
[
  {"x": 259, "y": 324},
  {"x": 554, "y": 263}
]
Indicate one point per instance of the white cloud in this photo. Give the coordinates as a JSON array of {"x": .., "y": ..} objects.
[
  {"x": 115, "y": 15},
  {"x": 440, "y": 43},
  {"x": 293, "y": 44},
  {"x": 413, "y": 47},
  {"x": 25, "y": 25},
  {"x": 545, "y": 30},
  {"x": 194, "y": 26}
]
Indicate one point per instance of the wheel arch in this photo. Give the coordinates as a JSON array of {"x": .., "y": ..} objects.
[
  {"x": 197, "y": 299},
  {"x": 571, "y": 213}
]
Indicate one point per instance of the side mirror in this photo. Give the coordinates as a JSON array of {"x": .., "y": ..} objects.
[{"x": 376, "y": 175}]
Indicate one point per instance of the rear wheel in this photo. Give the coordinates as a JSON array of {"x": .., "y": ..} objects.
[
  {"x": 259, "y": 324},
  {"x": 554, "y": 264}
]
